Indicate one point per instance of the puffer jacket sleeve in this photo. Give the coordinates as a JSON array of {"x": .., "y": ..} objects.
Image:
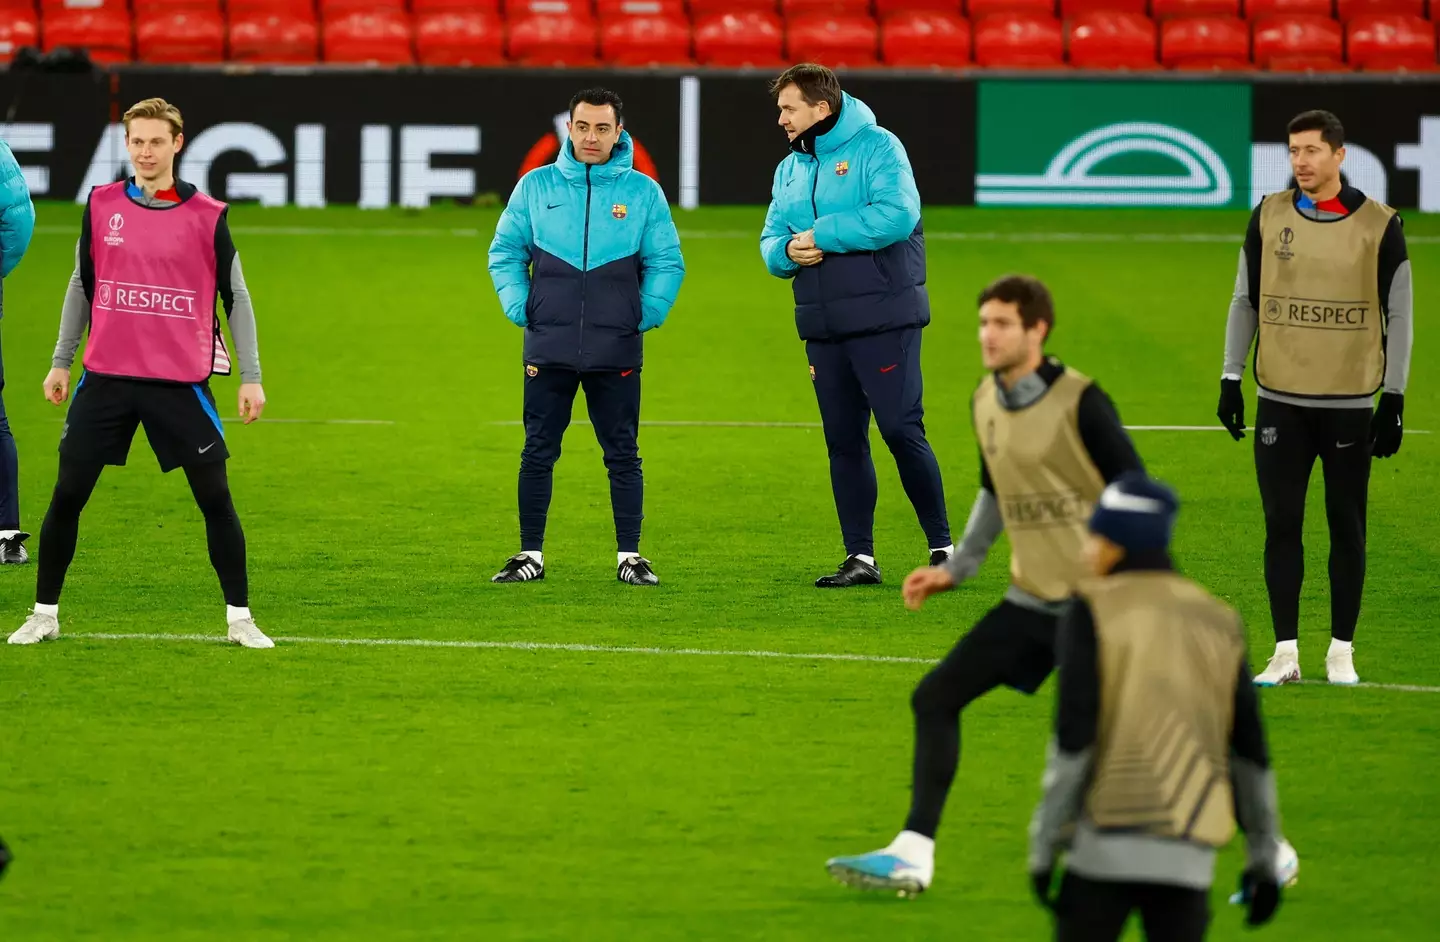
[
  {"x": 17, "y": 213},
  {"x": 776, "y": 235},
  {"x": 510, "y": 254},
  {"x": 892, "y": 212},
  {"x": 662, "y": 267}
]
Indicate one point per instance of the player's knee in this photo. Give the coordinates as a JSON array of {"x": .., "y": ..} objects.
[
  {"x": 900, "y": 435},
  {"x": 538, "y": 459},
  {"x": 930, "y": 698}
]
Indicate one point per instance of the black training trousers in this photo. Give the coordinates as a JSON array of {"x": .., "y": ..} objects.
[
  {"x": 1288, "y": 439},
  {"x": 1097, "y": 911}
]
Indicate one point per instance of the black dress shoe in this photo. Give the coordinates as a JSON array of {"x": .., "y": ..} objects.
[{"x": 854, "y": 571}]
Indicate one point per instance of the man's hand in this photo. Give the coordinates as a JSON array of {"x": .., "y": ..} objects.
[
  {"x": 252, "y": 401},
  {"x": 1261, "y": 894},
  {"x": 1042, "y": 883},
  {"x": 57, "y": 385},
  {"x": 802, "y": 250},
  {"x": 1231, "y": 411},
  {"x": 923, "y": 583},
  {"x": 1387, "y": 428}
]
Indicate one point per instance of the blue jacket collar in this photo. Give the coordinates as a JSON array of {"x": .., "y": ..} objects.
[
  {"x": 622, "y": 158},
  {"x": 855, "y": 116}
]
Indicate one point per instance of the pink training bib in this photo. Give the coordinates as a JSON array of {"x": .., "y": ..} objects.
[{"x": 153, "y": 312}]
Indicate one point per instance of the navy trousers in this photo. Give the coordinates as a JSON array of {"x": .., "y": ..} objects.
[
  {"x": 613, "y": 400},
  {"x": 9, "y": 466},
  {"x": 877, "y": 375}
]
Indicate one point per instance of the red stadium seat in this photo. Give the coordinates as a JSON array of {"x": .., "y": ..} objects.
[
  {"x": 1165, "y": 9},
  {"x": 925, "y": 38},
  {"x": 832, "y": 40},
  {"x": 1258, "y": 9},
  {"x": 1298, "y": 43},
  {"x": 105, "y": 33},
  {"x": 1349, "y": 9},
  {"x": 884, "y": 8},
  {"x": 18, "y": 28},
  {"x": 750, "y": 38},
  {"x": 553, "y": 40},
  {"x": 524, "y": 9},
  {"x": 1109, "y": 40},
  {"x": 978, "y": 8},
  {"x": 791, "y": 9},
  {"x": 1069, "y": 8},
  {"x": 381, "y": 38},
  {"x": 455, "y": 6},
  {"x": 703, "y": 9},
  {"x": 1381, "y": 42},
  {"x": 336, "y": 9},
  {"x": 180, "y": 36},
  {"x": 281, "y": 38},
  {"x": 49, "y": 8},
  {"x": 458, "y": 38},
  {"x": 1019, "y": 41},
  {"x": 608, "y": 9},
  {"x": 143, "y": 7},
  {"x": 1205, "y": 43},
  {"x": 645, "y": 41},
  {"x": 303, "y": 9}
]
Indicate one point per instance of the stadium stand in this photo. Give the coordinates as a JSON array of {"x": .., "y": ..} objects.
[{"x": 1276, "y": 35}]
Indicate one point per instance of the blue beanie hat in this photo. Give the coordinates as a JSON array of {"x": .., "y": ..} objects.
[{"x": 1136, "y": 513}]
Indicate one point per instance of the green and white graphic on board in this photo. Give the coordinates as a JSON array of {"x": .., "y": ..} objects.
[{"x": 1048, "y": 143}]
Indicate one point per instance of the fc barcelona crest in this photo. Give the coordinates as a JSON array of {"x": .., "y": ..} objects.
[
  {"x": 531, "y": 370},
  {"x": 1268, "y": 436},
  {"x": 618, "y": 210},
  {"x": 842, "y": 168}
]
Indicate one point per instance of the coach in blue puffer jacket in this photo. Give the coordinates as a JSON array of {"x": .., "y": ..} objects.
[
  {"x": 585, "y": 258},
  {"x": 844, "y": 225}
]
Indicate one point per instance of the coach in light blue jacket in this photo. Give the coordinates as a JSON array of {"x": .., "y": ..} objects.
[
  {"x": 844, "y": 226},
  {"x": 17, "y": 226},
  {"x": 587, "y": 260}
]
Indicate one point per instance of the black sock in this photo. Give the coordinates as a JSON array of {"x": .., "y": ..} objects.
[
  {"x": 73, "y": 486},
  {"x": 223, "y": 534}
]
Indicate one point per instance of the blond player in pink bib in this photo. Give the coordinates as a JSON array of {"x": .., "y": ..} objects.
[{"x": 153, "y": 255}]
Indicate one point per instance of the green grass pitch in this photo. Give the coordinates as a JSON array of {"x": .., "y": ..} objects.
[{"x": 178, "y": 790}]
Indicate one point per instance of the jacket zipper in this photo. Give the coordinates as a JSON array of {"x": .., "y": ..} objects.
[
  {"x": 814, "y": 217},
  {"x": 584, "y": 263}
]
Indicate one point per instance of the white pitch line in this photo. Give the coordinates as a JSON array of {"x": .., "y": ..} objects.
[
  {"x": 938, "y": 235},
  {"x": 702, "y": 423},
  {"x": 596, "y": 649}
]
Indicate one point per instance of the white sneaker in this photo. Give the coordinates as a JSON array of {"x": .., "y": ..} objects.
[
  {"x": 245, "y": 633},
  {"x": 37, "y": 628},
  {"x": 1340, "y": 667},
  {"x": 1283, "y": 668},
  {"x": 907, "y": 866}
]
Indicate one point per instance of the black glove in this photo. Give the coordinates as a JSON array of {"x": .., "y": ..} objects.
[
  {"x": 1232, "y": 408},
  {"x": 1387, "y": 427},
  {"x": 1040, "y": 882},
  {"x": 1261, "y": 895},
  {"x": 4, "y": 857}
]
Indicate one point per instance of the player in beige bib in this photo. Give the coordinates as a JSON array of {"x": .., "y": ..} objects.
[
  {"x": 1049, "y": 440},
  {"x": 1325, "y": 294},
  {"x": 1158, "y": 741}
]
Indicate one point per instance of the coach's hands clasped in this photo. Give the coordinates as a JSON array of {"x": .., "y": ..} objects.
[
  {"x": 802, "y": 250},
  {"x": 925, "y": 582}
]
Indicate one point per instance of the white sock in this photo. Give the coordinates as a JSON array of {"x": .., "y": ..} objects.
[
  {"x": 1291, "y": 648},
  {"x": 867, "y": 560},
  {"x": 1340, "y": 647},
  {"x": 536, "y": 555},
  {"x": 913, "y": 848},
  {"x": 949, "y": 550},
  {"x": 621, "y": 557},
  {"x": 233, "y": 614},
  {"x": 52, "y": 610}
]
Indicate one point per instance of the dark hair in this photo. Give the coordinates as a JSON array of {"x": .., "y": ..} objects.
[
  {"x": 816, "y": 84},
  {"x": 599, "y": 97},
  {"x": 1028, "y": 294},
  {"x": 1332, "y": 132}
]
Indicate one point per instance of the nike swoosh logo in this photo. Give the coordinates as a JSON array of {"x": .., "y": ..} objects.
[
  {"x": 886, "y": 369},
  {"x": 207, "y": 448},
  {"x": 554, "y": 205},
  {"x": 626, "y": 372},
  {"x": 1346, "y": 445}
]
